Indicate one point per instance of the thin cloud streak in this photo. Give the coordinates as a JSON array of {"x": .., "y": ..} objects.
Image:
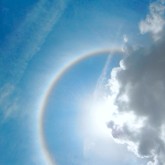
[{"x": 24, "y": 43}]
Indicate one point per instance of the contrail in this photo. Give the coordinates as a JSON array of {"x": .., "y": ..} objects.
[{"x": 99, "y": 90}]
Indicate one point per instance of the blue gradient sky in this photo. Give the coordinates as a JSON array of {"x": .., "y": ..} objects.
[{"x": 37, "y": 39}]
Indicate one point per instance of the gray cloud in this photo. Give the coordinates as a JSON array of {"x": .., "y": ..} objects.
[{"x": 138, "y": 87}]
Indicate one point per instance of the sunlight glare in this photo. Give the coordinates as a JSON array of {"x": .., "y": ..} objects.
[{"x": 97, "y": 114}]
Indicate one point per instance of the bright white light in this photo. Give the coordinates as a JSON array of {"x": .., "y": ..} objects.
[
  {"x": 96, "y": 115},
  {"x": 98, "y": 112},
  {"x": 99, "y": 116}
]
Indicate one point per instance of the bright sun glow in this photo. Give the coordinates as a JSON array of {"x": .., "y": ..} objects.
[
  {"x": 99, "y": 116},
  {"x": 97, "y": 113}
]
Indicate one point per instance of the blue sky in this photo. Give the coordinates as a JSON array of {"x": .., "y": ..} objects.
[{"x": 38, "y": 39}]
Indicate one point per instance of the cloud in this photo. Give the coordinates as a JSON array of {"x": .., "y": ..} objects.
[
  {"x": 154, "y": 22},
  {"x": 24, "y": 42},
  {"x": 137, "y": 90}
]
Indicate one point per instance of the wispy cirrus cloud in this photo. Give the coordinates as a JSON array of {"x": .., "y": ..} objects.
[{"x": 24, "y": 42}]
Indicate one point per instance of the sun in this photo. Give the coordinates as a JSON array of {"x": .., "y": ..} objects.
[
  {"x": 99, "y": 111},
  {"x": 96, "y": 115}
]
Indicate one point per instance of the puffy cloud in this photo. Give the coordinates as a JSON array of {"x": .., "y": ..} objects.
[
  {"x": 137, "y": 89},
  {"x": 154, "y": 21}
]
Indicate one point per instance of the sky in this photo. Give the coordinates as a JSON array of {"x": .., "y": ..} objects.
[{"x": 82, "y": 82}]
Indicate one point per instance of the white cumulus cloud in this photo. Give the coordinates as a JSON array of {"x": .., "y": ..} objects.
[
  {"x": 154, "y": 22},
  {"x": 137, "y": 89}
]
